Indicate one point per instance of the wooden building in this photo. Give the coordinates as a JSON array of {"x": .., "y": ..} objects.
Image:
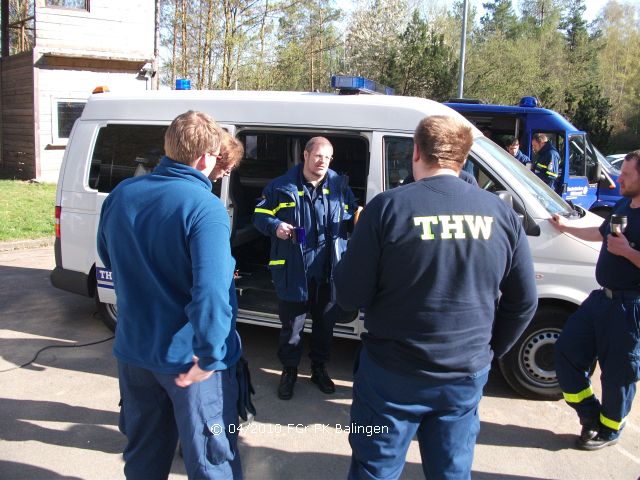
[{"x": 76, "y": 46}]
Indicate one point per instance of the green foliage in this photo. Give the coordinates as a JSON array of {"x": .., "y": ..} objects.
[
  {"x": 424, "y": 65},
  {"x": 499, "y": 18},
  {"x": 545, "y": 49},
  {"x": 591, "y": 114},
  {"x": 26, "y": 210}
]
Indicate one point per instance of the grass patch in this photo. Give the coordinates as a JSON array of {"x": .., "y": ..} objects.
[{"x": 26, "y": 210}]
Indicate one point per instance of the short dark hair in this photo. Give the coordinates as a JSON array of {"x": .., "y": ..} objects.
[
  {"x": 540, "y": 137},
  {"x": 443, "y": 140},
  {"x": 510, "y": 140},
  {"x": 635, "y": 155}
]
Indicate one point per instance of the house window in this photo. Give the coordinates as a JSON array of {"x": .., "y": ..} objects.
[
  {"x": 64, "y": 114},
  {"x": 77, "y": 4}
]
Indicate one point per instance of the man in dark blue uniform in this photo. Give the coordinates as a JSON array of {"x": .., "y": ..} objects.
[
  {"x": 547, "y": 163},
  {"x": 428, "y": 262},
  {"x": 314, "y": 201},
  {"x": 606, "y": 326}
]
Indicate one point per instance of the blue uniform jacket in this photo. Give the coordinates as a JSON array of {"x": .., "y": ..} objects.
[
  {"x": 547, "y": 165},
  {"x": 281, "y": 202},
  {"x": 165, "y": 237},
  {"x": 522, "y": 158}
]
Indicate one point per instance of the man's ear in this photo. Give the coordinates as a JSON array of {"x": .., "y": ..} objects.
[
  {"x": 201, "y": 162},
  {"x": 416, "y": 153}
]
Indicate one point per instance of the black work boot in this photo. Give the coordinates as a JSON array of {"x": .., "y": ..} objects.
[
  {"x": 320, "y": 377},
  {"x": 601, "y": 440},
  {"x": 287, "y": 381},
  {"x": 589, "y": 431}
]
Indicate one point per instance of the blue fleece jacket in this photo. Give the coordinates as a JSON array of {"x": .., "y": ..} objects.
[
  {"x": 428, "y": 262},
  {"x": 165, "y": 237}
]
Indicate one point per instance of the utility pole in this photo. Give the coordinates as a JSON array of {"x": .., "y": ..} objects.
[
  {"x": 155, "y": 74},
  {"x": 463, "y": 43}
]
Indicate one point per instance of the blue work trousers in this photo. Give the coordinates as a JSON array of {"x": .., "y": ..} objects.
[
  {"x": 390, "y": 408},
  {"x": 156, "y": 412},
  {"x": 606, "y": 329},
  {"x": 293, "y": 316}
]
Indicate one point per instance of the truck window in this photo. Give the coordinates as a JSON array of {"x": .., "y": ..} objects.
[
  {"x": 122, "y": 151},
  {"x": 577, "y": 156}
]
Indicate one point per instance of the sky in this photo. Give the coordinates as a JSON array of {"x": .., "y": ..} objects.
[{"x": 593, "y": 6}]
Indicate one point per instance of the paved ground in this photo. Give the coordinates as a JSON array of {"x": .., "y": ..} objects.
[{"x": 58, "y": 415}]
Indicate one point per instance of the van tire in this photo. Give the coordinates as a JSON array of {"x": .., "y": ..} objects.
[
  {"x": 108, "y": 313},
  {"x": 529, "y": 367}
]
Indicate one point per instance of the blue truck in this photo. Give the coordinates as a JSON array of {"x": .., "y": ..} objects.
[{"x": 587, "y": 179}]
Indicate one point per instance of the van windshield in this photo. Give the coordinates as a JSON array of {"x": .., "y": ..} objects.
[{"x": 551, "y": 201}]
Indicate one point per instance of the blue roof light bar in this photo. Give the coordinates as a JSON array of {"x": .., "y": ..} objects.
[{"x": 353, "y": 85}]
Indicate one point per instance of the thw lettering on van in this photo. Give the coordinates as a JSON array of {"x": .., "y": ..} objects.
[
  {"x": 103, "y": 277},
  {"x": 453, "y": 226}
]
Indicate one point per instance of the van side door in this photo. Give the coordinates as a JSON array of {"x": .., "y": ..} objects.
[{"x": 578, "y": 187}]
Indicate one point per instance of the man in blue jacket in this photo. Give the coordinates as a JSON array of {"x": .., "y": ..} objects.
[
  {"x": 445, "y": 276},
  {"x": 165, "y": 237},
  {"x": 547, "y": 162},
  {"x": 306, "y": 213}
]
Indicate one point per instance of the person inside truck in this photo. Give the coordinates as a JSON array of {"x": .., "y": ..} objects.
[
  {"x": 512, "y": 145},
  {"x": 547, "y": 161},
  {"x": 306, "y": 213}
]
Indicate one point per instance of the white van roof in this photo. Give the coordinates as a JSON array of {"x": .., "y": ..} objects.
[{"x": 262, "y": 108}]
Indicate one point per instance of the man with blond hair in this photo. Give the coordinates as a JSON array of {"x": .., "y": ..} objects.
[
  {"x": 444, "y": 274},
  {"x": 165, "y": 237}
]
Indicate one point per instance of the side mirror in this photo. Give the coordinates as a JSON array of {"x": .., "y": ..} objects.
[{"x": 596, "y": 173}]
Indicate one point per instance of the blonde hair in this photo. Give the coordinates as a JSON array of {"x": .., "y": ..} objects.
[
  {"x": 316, "y": 141},
  {"x": 444, "y": 141},
  {"x": 191, "y": 135},
  {"x": 232, "y": 151}
]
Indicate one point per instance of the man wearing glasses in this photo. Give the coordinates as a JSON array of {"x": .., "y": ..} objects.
[{"x": 306, "y": 213}]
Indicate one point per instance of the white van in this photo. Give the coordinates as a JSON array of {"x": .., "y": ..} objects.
[{"x": 118, "y": 136}]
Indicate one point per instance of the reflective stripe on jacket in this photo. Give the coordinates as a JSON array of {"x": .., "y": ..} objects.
[{"x": 282, "y": 202}]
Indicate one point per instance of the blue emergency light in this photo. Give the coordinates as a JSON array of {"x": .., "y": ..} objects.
[
  {"x": 351, "y": 85},
  {"x": 183, "y": 84},
  {"x": 528, "y": 102}
]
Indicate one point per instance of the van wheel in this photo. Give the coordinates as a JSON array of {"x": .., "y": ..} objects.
[
  {"x": 529, "y": 367},
  {"x": 108, "y": 313}
]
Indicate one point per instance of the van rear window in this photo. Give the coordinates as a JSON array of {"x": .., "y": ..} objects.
[{"x": 124, "y": 151}]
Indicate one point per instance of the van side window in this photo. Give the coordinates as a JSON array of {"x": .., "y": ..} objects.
[
  {"x": 122, "y": 151},
  {"x": 398, "y": 153},
  {"x": 577, "y": 156}
]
